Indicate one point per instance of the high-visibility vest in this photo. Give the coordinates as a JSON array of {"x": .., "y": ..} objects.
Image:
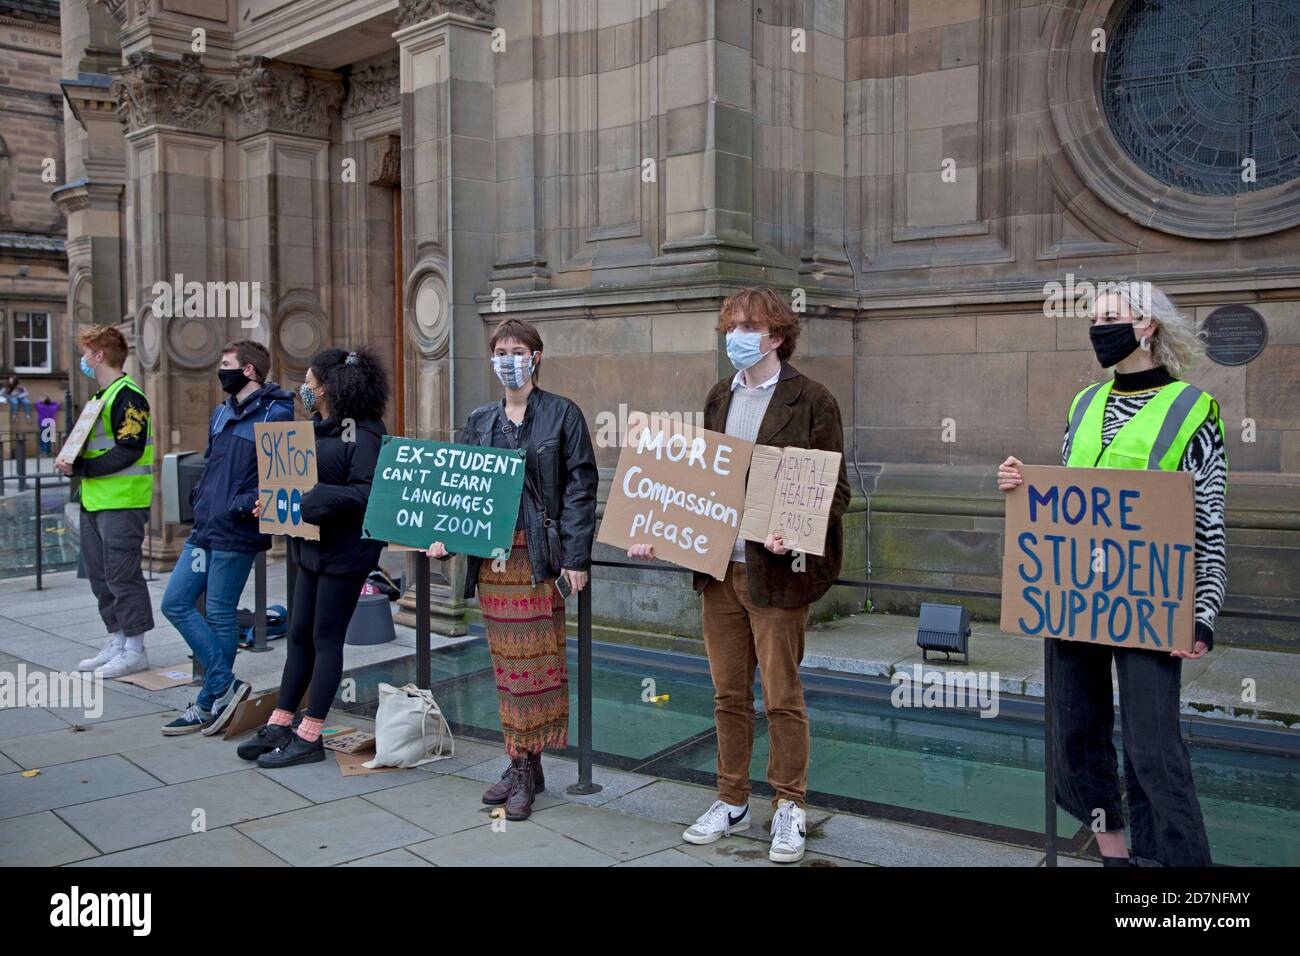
[
  {"x": 1155, "y": 438},
  {"x": 132, "y": 487}
]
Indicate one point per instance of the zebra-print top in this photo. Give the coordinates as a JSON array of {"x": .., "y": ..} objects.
[{"x": 1207, "y": 460}]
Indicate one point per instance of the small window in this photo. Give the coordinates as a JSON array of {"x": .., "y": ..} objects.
[{"x": 31, "y": 342}]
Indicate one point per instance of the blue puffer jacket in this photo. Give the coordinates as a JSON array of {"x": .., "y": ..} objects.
[{"x": 224, "y": 497}]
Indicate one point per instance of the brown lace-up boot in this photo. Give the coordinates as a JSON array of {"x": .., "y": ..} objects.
[
  {"x": 497, "y": 793},
  {"x": 539, "y": 781},
  {"x": 519, "y": 802}
]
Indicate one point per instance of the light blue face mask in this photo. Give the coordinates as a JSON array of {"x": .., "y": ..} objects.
[
  {"x": 86, "y": 370},
  {"x": 513, "y": 370},
  {"x": 744, "y": 348}
]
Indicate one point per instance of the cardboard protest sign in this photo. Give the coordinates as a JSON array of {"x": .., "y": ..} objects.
[
  {"x": 465, "y": 496},
  {"x": 790, "y": 492},
  {"x": 681, "y": 489},
  {"x": 286, "y": 470},
  {"x": 80, "y": 431},
  {"x": 1106, "y": 555}
]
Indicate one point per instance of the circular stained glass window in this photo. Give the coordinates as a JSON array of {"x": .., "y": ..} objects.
[{"x": 1205, "y": 94}]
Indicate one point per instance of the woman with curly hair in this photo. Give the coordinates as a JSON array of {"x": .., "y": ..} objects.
[{"x": 347, "y": 393}]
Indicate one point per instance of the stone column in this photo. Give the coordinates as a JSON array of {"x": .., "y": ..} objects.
[
  {"x": 175, "y": 224},
  {"x": 709, "y": 194},
  {"x": 284, "y": 120},
  {"x": 449, "y": 224}
]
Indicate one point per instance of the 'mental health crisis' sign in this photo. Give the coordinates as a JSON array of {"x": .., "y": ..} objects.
[
  {"x": 465, "y": 496},
  {"x": 1106, "y": 555}
]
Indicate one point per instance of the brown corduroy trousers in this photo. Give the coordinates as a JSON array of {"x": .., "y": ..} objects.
[{"x": 737, "y": 636}]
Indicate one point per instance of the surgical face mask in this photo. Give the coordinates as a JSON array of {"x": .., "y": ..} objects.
[
  {"x": 744, "y": 348},
  {"x": 308, "y": 396},
  {"x": 86, "y": 370},
  {"x": 513, "y": 370},
  {"x": 1113, "y": 342},
  {"x": 232, "y": 380}
]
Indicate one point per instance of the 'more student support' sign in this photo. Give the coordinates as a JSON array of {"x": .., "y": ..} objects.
[
  {"x": 1106, "y": 555},
  {"x": 681, "y": 489},
  {"x": 465, "y": 496}
]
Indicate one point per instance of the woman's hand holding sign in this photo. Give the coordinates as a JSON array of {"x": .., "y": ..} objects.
[
  {"x": 646, "y": 551},
  {"x": 437, "y": 550},
  {"x": 775, "y": 544},
  {"x": 1009, "y": 474}
]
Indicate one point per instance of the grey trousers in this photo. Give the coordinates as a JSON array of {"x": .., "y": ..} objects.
[{"x": 111, "y": 547}]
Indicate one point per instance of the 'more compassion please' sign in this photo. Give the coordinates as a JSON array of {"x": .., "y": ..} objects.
[
  {"x": 1105, "y": 555},
  {"x": 681, "y": 489},
  {"x": 465, "y": 496}
]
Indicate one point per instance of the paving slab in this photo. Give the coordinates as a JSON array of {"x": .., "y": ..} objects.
[
  {"x": 323, "y": 781},
  {"x": 469, "y": 752},
  {"x": 390, "y": 858},
  {"x": 440, "y": 805},
  {"x": 673, "y": 857},
  {"x": 512, "y": 844},
  {"x": 884, "y": 843},
  {"x": 40, "y": 839},
  {"x": 730, "y": 851},
  {"x": 1272, "y": 676},
  {"x": 67, "y": 784},
  {"x": 111, "y": 736},
  {"x": 562, "y": 773},
  {"x": 191, "y": 757},
  {"x": 332, "y": 832},
  {"x": 155, "y": 815},
  {"x": 619, "y": 835},
  {"x": 8, "y": 766},
  {"x": 222, "y": 847},
  {"x": 17, "y": 723}
]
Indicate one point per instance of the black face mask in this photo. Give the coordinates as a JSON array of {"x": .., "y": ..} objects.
[
  {"x": 232, "y": 379},
  {"x": 1113, "y": 342}
]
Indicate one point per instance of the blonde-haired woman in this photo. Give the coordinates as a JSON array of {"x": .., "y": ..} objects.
[{"x": 1143, "y": 418}]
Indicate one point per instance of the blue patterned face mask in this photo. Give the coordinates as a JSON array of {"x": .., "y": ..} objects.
[
  {"x": 308, "y": 396},
  {"x": 744, "y": 348},
  {"x": 513, "y": 370}
]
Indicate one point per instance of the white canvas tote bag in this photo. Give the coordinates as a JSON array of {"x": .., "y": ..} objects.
[{"x": 410, "y": 729}]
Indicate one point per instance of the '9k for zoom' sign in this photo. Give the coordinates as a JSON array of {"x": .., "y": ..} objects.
[{"x": 286, "y": 470}]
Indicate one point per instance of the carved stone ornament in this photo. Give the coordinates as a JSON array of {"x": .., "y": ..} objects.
[
  {"x": 410, "y": 12},
  {"x": 373, "y": 88},
  {"x": 128, "y": 11},
  {"x": 285, "y": 98},
  {"x": 152, "y": 90}
]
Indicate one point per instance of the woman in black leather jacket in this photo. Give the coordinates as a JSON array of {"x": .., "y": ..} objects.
[{"x": 522, "y": 611}]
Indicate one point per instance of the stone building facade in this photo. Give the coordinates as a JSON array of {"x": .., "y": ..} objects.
[
  {"x": 33, "y": 267},
  {"x": 917, "y": 172}
]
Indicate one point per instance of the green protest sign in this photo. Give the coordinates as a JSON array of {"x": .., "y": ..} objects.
[{"x": 465, "y": 496}]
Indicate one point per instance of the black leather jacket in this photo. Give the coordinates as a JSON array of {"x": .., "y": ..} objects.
[{"x": 562, "y": 464}]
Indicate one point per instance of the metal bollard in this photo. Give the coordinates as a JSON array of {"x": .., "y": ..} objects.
[
  {"x": 1049, "y": 759},
  {"x": 423, "y": 661},
  {"x": 259, "y": 604},
  {"x": 584, "y": 784},
  {"x": 39, "y": 535}
]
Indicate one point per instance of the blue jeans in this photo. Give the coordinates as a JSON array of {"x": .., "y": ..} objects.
[{"x": 215, "y": 640}]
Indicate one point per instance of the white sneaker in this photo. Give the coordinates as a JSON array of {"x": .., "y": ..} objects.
[
  {"x": 126, "y": 662},
  {"x": 112, "y": 647},
  {"x": 789, "y": 826},
  {"x": 716, "y": 823}
]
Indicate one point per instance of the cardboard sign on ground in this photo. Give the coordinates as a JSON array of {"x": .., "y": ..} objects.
[
  {"x": 286, "y": 470},
  {"x": 356, "y": 742},
  {"x": 251, "y": 713},
  {"x": 1106, "y": 555},
  {"x": 159, "y": 679},
  {"x": 681, "y": 489},
  {"x": 790, "y": 492},
  {"x": 354, "y": 765},
  {"x": 80, "y": 431},
  {"x": 465, "y": 496}
]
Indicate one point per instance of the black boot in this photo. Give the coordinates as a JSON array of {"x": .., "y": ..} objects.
[
  {"x": 267, "y": 738},
  {"x": 295, "y": 751},
  {"x": 1117, "y": 861}
]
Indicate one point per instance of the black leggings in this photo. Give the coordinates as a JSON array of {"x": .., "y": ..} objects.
[{"x": 318, "y": 622}]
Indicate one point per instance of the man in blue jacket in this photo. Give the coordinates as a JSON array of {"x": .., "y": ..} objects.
[{"x": 225, "y": 539}]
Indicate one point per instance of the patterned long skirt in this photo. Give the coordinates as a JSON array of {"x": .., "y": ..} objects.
[{"x": 525, "y": 635}]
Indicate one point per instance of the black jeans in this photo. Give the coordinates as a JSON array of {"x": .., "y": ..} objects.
[
  {"x": 1165, "y": 820},
  {"x": 318, "y": 623}
]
